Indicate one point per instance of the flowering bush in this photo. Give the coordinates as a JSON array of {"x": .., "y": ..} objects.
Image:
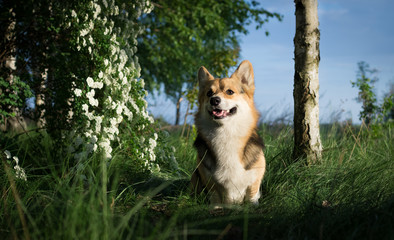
[
  {"x": 109, "y": 95},
  {"x": 85, "y": 74}
]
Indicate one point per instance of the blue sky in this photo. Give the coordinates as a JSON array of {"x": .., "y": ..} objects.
[{"x": 351, "y": 31}]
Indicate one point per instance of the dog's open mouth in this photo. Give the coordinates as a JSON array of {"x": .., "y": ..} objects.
[{"x": 218, "y": 113}]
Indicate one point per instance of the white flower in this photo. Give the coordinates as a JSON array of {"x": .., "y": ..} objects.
[
  {"x": 113, "y": 121},
  {"x": 20, "y": 173},
  {"x": 113, "y": 106},
  {"x": 89, "y": 115},
  {"x": 105, "y": 3},
  {"x": 113, "y": 50},
  {"x": 128, "y": 113},
  {"x": 98, "y": 119},
  {"x": 85, "y": 107},
  {"x": 98, "y": 85},
  {"x": 91, "y": 25},
  {"x": 94, "y": 102},
  {"x": 8, "y": 154},
  {"x": 152, "y": 143},
  {"x": 16, "y": 159},
  {"x": 136, "y": 108},
  {"x": 110, "y": 136},
  {"x": 152, "y": 156},
  {"x": 91, "y": 93},
  {"x": 119, "y": 110},
  {"x": 91, "y": 40},
  {"x": 151, "y": 119},
  {"x": 98, "y": 124},
  {"x": 98, "y": 10},
  {"x": 105, "y": 145},
  {"x": 78, "y": 92},
  {"x": 98, "y": 128},
  {"x": 73, "y": 13},
  {"x": 84, "y": 32},
  {"x": 101, "y": 74},
  {"x": 109, "y": 130},
  {"x": 90, "y": 82},
  {"x": 149, "y": 7},
  {"x": 124, "y": 81},
  {"x": 88, "y": 134}
]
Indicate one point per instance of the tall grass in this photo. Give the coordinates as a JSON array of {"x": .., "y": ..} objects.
[{"x": 349, "y": 194}]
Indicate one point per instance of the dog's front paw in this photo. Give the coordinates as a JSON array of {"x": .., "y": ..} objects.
[{"x": 217, "y": 210}]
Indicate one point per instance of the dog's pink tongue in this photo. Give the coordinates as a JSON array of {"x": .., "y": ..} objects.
[{"x": 219, "y": 113}]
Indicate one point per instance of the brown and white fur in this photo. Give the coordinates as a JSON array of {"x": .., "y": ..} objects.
[{"x": 230, "y": 161}]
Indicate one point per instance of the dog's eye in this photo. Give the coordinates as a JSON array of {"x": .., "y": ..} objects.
[
  {"x": 210, "y": 93},
  {"x": 230, "y": 92}
]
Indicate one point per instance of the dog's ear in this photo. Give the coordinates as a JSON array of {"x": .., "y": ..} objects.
[
  {"x": 203, "y": 75},
  {"x": 245, "y": 73}
]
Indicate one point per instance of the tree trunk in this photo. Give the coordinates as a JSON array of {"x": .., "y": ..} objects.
[
  {"x": 307, "y": 142},
  {"x": 178, "y": 109},
  {"x": 40, "y": 100},
  {"x": 16, "y": 123}
]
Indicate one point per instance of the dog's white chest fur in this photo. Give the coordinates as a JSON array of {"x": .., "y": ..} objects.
[{"x": 229, "y": 171}]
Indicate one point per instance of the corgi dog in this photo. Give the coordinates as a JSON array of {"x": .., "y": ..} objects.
[{"x": 230, "y": 159}]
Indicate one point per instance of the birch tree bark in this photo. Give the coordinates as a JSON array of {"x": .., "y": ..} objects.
[
  {"x": 178, "y": 109},
  {"x": 40, "y": 100},
  {"x": 16, "y": 123},
  {"x": 307, "y": 142}
]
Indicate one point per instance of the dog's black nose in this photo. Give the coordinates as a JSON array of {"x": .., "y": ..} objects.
[{"x": 215, "y": 101}]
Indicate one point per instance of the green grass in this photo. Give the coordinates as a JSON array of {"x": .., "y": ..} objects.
[{"x": 348, "y": 195}]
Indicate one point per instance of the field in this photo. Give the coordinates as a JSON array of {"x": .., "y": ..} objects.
[{"x": 349, "y": 194}]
